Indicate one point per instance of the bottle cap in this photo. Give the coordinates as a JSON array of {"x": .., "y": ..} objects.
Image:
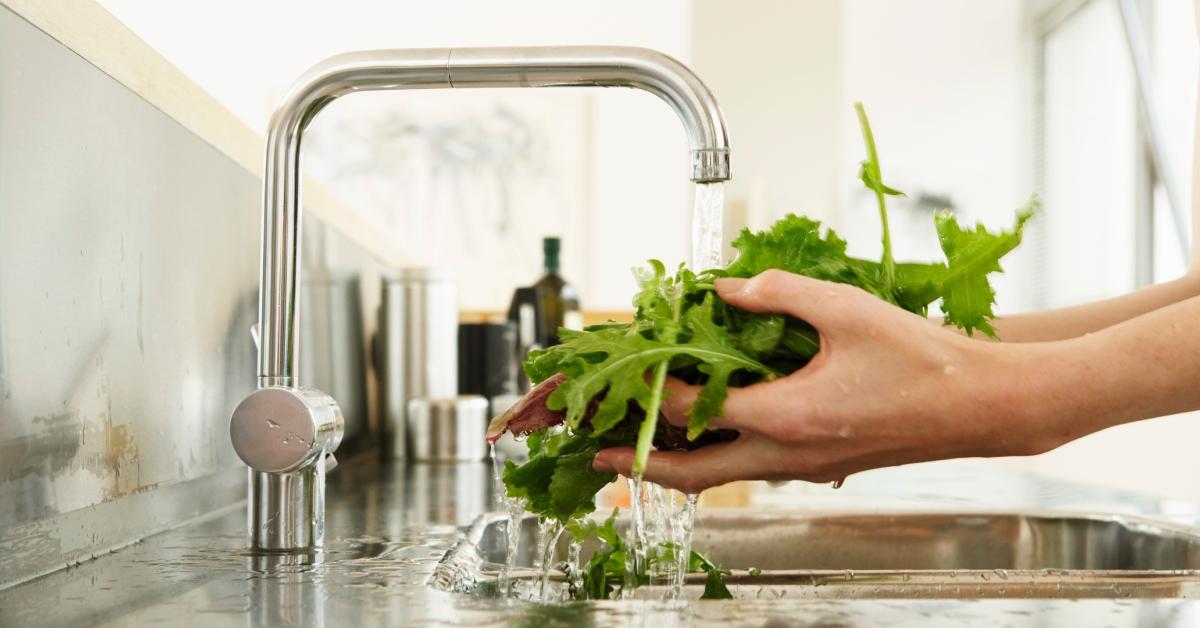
[{"x": 551, "y": 245}]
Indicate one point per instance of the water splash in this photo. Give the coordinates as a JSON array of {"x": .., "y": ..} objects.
[
  {"x": 515, "y": 508},
  {"x": 551, "y": 530},
  {"x": 683, "y": 523}
]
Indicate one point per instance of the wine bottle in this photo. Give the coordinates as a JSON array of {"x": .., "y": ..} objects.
[{"x": 558, "y": 298}]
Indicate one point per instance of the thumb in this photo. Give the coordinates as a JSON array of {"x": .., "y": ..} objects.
[{"x": 817, "y": 302}]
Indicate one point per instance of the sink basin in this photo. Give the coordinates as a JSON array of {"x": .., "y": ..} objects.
[{"x": 895, "y": 555}]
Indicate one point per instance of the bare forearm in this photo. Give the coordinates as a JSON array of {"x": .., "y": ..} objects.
[
  {"x": 1071, "y": 322},
  {"x": 1145, "y": 367}
]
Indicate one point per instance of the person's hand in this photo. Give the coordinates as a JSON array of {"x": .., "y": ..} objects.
[{"x": 887, "y": 388}]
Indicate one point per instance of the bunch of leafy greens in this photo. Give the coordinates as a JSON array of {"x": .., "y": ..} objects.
[{"x": 615, "y": 372}]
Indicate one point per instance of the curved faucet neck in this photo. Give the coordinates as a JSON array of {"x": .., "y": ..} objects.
[{"x": 375, "y": 70}]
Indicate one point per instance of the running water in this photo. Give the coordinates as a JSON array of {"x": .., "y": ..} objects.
[
  {"x": 682, "y": 525},
  {"x": 551, "y": 530},
  {"x": 574, "y": 575},
  {"x": 516, "y": 511},
  {"x": 636, "y": 537},
  {"x": 708, "y": 225}
]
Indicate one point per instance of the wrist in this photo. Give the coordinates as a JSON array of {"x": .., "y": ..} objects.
[{"x": 1035, "y": 397}]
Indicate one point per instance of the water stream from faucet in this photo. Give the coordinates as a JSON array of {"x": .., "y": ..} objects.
[
  {"x": 708, "y": 226},
  {"x": 663, "y": 518}
]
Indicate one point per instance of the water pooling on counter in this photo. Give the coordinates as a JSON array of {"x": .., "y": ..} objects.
[{"x": 662, "y": 520}]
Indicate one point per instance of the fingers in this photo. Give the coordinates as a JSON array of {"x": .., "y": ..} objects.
[
  {"x": 742, "y": 405},
  {"x": 690, "y": 472},
  {"x": 679, "y": 397},
  {"x": 817, "y": 302}
]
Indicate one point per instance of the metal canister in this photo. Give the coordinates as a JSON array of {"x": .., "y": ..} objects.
[
  {"x": 418, "y": 346},
  {"x": 448, "y": 429}
]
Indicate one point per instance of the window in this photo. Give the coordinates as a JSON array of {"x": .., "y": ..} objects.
[{"x": 1109, "y": 225}]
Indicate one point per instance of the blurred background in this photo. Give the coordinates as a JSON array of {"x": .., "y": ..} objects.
[{"x": 976, "y": 106}]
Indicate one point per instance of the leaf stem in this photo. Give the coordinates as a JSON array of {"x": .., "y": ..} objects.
[
  {"x": 650, "y": 423},
  {"x": 876, "y": 174}
]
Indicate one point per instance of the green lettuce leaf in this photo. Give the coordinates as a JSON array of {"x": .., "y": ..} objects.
[{"x": 559, "y": 481}]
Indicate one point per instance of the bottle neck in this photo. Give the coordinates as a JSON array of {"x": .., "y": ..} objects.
[{"x": 551, "y": 265}]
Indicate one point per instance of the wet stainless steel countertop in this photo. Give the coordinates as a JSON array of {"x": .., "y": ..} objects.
[{"x": 388, "y": 526}]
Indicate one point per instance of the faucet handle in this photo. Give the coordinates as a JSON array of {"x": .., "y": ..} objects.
[{"x": 280, "y": 429}]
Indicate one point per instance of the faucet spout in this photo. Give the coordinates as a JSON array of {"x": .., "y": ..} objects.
[{"x": 441, "y": 68}]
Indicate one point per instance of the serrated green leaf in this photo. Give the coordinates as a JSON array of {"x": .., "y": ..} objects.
[
  {"x": 621, "y": 363},
  {"x": 967, "y": 296},
  {"x": 559, "y": 483},
  {"x": 797, "y": 245}
]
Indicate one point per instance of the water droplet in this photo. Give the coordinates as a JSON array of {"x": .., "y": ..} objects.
[
  {"x": 846, "y": 431},
  {"x": 272, "y": 424},
  {"x": 949, "y": 370}
]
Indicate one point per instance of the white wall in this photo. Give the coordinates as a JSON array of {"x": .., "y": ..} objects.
[
  {"x": 776, "y": 67},
  {"x": 618, "y": 159}
]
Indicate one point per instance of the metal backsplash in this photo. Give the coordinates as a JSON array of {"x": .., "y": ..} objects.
[{"x": 128, "y": 277}]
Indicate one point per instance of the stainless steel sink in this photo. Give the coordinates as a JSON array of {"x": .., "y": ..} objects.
[{"x": 905, "y": 555}]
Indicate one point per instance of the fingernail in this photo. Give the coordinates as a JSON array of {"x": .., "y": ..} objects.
[
  {"x": 730, "y": 285},
  {"x": 602, "y": 466}
]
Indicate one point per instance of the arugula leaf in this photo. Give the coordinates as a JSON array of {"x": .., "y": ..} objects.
[
  {"x": 612, "y": 363},
  {"x": 967, "y": 297},
  {"x": 795, "y": 244}
]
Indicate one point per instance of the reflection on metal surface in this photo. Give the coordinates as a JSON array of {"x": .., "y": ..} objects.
[
  {"x": 918, "y": 555},
  {"x": 335, "y": 334},
  {"x": 127, "y": 284},
  {"x": 448, "y": 430}
]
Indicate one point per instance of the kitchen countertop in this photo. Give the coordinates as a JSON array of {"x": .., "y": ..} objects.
[{"x": 388, "y": 525}]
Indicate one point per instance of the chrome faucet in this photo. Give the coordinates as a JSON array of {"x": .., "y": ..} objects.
[{"x": 287, "y": 434}]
